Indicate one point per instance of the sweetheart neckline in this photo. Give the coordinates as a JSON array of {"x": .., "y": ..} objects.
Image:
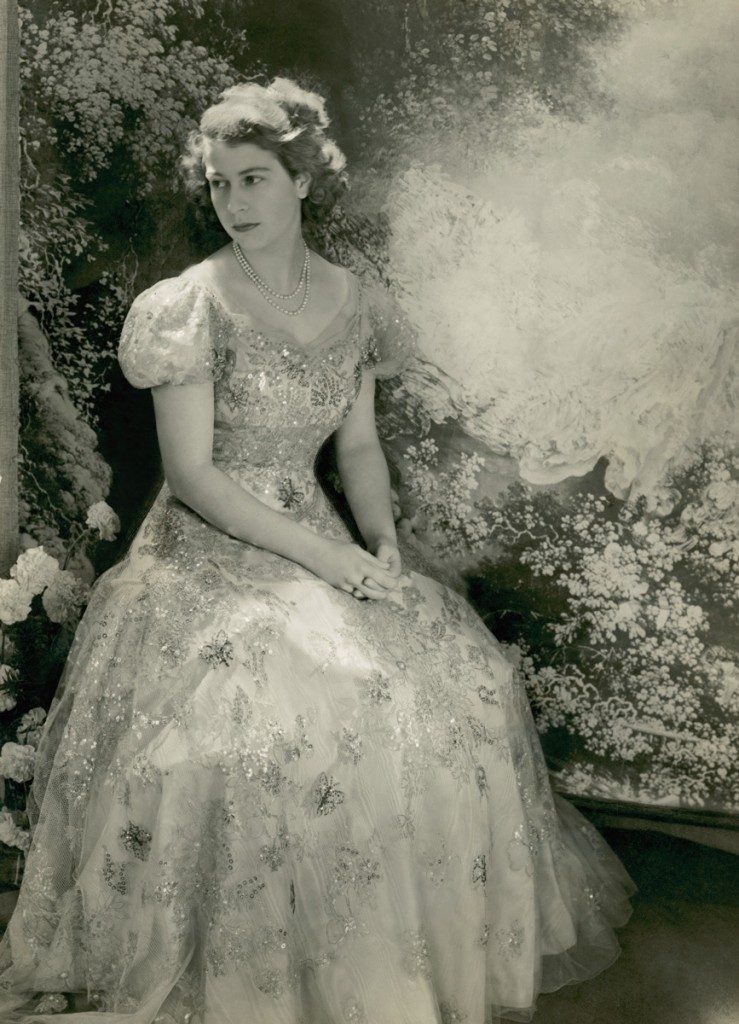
[{"x": 284, "y": 337}]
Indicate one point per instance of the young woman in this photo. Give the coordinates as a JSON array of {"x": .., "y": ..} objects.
[{"x": 289, "y": 778}]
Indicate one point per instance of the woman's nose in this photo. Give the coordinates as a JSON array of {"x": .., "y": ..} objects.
[{"x": 237, "y": 201}]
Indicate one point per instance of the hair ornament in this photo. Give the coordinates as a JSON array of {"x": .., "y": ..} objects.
[{"x": 302, "y": 107}]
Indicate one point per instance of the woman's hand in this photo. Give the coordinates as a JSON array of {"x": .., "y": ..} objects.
[
  {"x": 349, "y": 567},
  {"x": 386, "y": 551}
]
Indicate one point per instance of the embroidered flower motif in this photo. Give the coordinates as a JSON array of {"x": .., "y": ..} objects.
[
  {"x": 136, "y": 840},
  {"x": 375, "y": 688},
  {"x": 352, "y": 869},
  {"x": 479, "y": 870},
  {"x": 416, "y": 958},
  {"x": 219, "y": 651},
  {"x": 114, "y": 875},
  {"x": 289, "y": 493},
  {"x": 451, "y": 1014},
  {"x": 350, "y": 747},
  {"x": 487, "y": 696},
  {"x": 328, "y": 390},
  {"x": 270, "y": 982},
  {"x": 251, "y": 888},
  {"x": 223, "y": 362},
  {"x": 510, "y": 940},
  {"x": 274, "y": 852},
  {"x": 327, "y": 794},
  {"x": 236, "y": 393},
  {"x": 353, "y": 1012}
]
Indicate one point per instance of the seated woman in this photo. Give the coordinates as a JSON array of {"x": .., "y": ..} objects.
[{"x": 289, "y": 778}]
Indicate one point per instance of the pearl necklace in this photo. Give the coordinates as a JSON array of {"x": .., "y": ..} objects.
[{"x": 268, "y": 292}]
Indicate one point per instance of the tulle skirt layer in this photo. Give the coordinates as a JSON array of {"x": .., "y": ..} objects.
[{"x": 260, "y": 801}]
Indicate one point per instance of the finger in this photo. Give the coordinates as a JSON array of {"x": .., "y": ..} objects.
[
  {"x": 373, "y": 592},
  {"x": 368, "y": 583},
  {"x": 381, "y": 576}
]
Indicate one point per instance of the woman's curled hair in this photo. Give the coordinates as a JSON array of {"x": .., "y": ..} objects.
[{"x": 281, "y": 117}]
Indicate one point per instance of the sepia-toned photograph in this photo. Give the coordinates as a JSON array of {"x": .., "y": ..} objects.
[{"x": 369, "y": 512}]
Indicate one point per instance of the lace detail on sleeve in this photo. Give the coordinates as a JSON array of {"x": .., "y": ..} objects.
[
  {"x": 168, "y": 336},
  {"x": 389, "y": 340}
]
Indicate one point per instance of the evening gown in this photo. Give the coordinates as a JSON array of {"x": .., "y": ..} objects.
[{"x": 259, "y": 800}]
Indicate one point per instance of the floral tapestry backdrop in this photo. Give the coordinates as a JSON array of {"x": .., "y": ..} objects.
[
  {"x": 573, "y": 280},
  {"x": 548, "y": 187}
]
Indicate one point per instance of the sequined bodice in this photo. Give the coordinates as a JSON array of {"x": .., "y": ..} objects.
[{"x": 277, "y": 401}]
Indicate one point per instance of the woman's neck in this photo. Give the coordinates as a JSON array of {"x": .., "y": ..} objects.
[{"x": 280, "y": 265}]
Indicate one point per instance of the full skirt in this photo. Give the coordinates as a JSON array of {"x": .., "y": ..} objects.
[{"x": 261, "y": 801}]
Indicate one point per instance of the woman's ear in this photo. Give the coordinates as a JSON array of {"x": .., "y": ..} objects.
[{"x": 302, "y": 183}]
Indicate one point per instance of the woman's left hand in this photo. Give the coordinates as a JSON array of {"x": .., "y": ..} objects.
[{"x": 387, "y": 551}]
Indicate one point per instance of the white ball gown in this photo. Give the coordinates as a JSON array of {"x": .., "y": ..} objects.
[{"x": 259, "y": 800}]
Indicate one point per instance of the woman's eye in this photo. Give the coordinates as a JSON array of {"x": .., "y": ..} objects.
[
  {"x": 252, "y": 179},
  {"x": 217, "y": 184}
]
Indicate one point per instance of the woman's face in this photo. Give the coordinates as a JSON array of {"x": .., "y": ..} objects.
[{"x": 256, "y": 200}]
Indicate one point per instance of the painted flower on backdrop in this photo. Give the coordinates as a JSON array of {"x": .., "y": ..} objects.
[
  {"x": 64, "y": 596},
  {"x": 11, "y": 834},
  {"x": 15, "y": 603},
  {"x": 7, "y": 701},
  {"x": 34, "y": 570},
  {"x": 102, "y": 518},
  {"x": 8, "y": 676},
  {"x": 29, "y": 728},
  {"x": 17, "y": 761}
]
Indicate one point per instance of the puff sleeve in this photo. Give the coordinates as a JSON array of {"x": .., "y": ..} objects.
[
  {"x": 168, "y": 336},
  {"x": 389, "y": 340}
]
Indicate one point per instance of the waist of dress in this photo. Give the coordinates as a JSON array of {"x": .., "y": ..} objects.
[{"x": 294, "y": 490}]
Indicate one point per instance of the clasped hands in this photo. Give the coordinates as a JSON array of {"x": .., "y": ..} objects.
[
  {"x": 361, "y": 573},
  {"x": 375, "y": 585}
]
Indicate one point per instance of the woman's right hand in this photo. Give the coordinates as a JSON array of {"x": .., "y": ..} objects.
[{"x": 346, "y": 566}]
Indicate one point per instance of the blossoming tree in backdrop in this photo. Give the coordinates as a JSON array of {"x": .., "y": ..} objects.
[
  {"x": 107, "y": 93},
  {"x": 574, "y": 288}
]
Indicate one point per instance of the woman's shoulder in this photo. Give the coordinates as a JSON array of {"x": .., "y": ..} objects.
[
  {"x": 169, "y": 333},
  {"x": 177, "y": 294},
  {"x": 208, "y": 272}
]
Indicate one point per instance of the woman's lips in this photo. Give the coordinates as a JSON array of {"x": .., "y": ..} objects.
[{"x": 244, "y": 227}]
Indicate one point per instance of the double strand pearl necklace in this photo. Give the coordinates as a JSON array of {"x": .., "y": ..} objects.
[{"x": 269, "y": 293}]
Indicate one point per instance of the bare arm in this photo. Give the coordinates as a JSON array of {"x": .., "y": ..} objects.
[
  {"x": 184, "y": 418},
  {"x": 363, "y": 469}
]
